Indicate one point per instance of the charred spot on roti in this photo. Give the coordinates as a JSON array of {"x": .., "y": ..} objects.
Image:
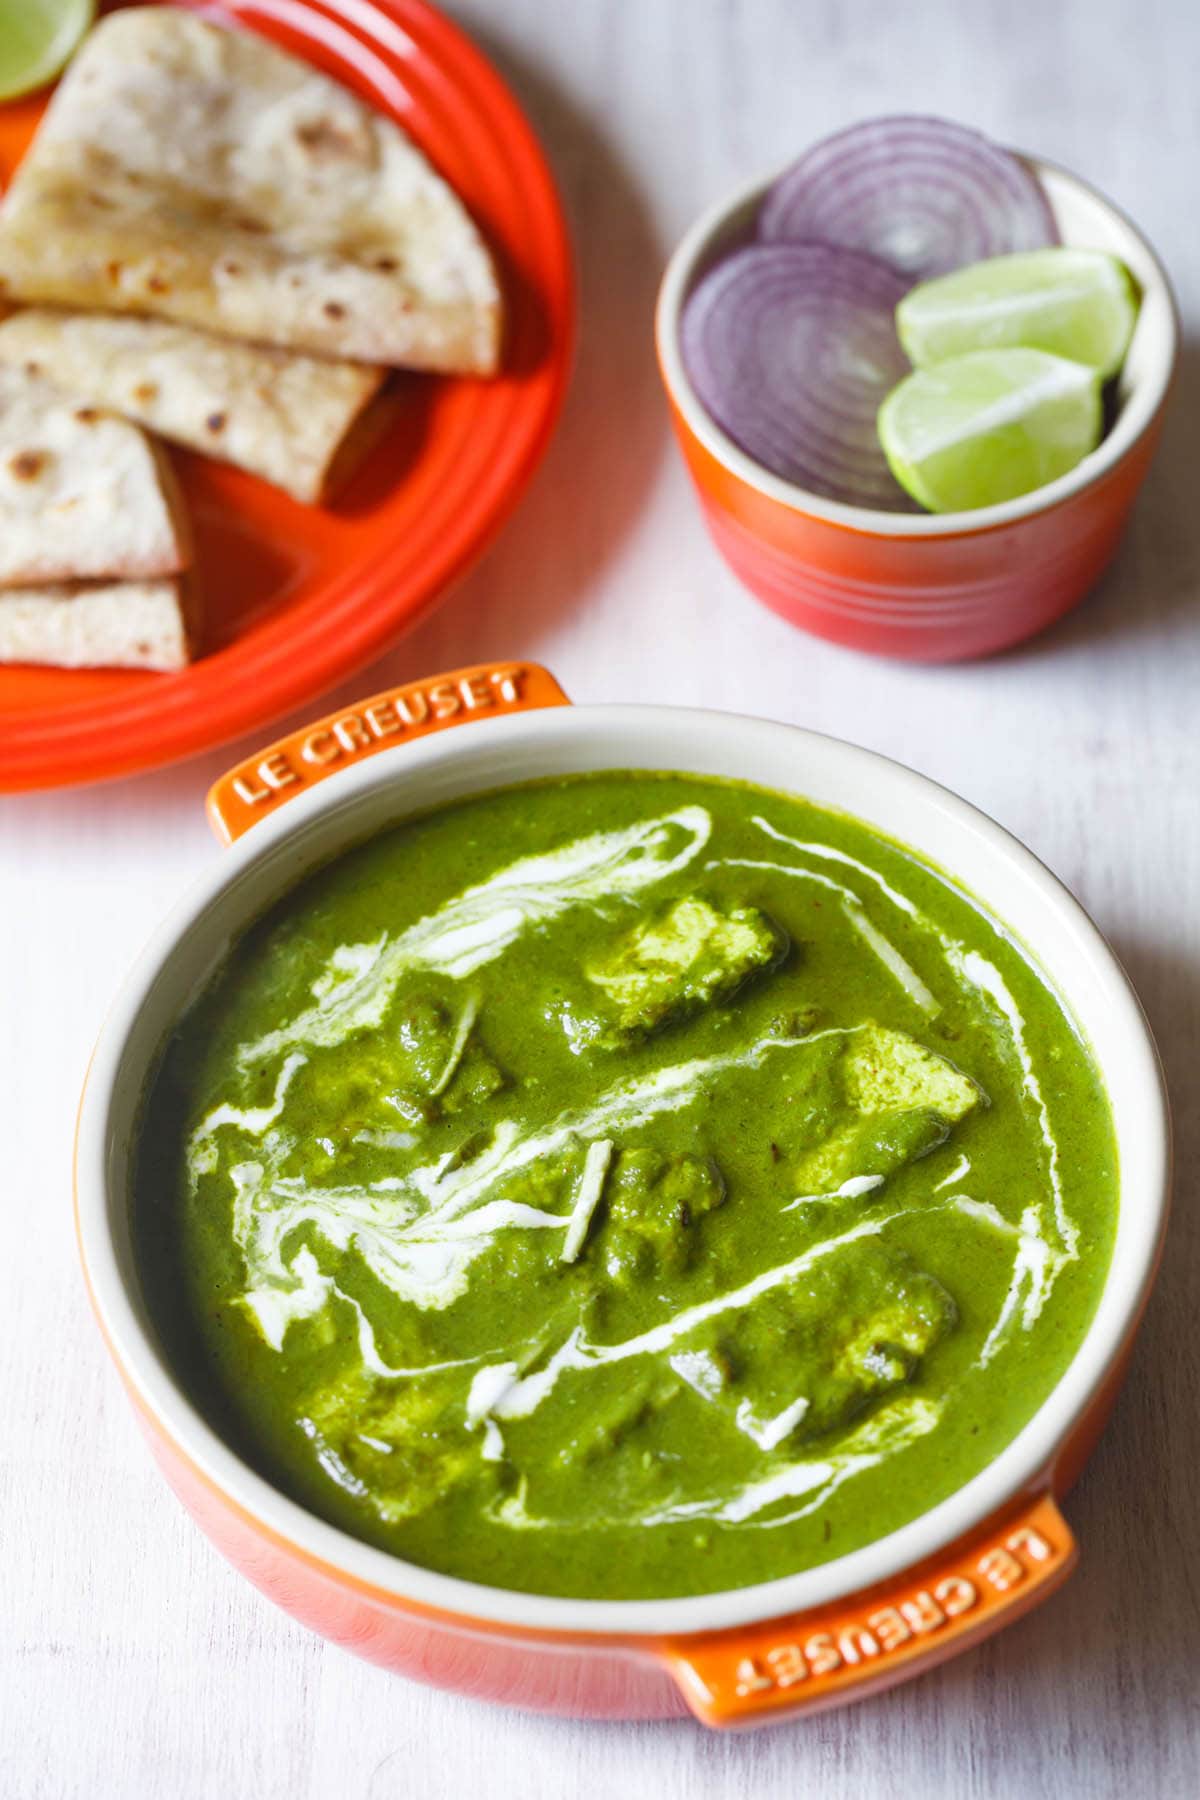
[
  {"x": 27, "y": 465},
  {"x": 113, "y": 271},
  {"x": 146, "y": 392},
  {"x": 158, "y": 284},
  {"x": 331, "y": 139},
  {"x": 33, "y": 368},
  {"x": 87, "y": 415},
  {"x": 387, "y": 265},
  {"x": 333, "y": 310},
  {"x": 216, "y": 421}
]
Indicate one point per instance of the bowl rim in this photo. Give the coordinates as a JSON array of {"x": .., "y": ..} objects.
[
  {"x": 102, "y": 1140},
  {"x": 1135, "y": 418}
]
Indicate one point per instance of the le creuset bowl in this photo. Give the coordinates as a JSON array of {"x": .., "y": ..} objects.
[
  {"x": 968, "y": 1565},
  {"x": 931, "y": 588}
]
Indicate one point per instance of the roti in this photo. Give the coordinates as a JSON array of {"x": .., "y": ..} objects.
[
  {"x": 113, "y": 625},
  {"x": 199, "y": 174},
  {"x": 279, "y": 414},
  {"x": 83, "y": 494}
]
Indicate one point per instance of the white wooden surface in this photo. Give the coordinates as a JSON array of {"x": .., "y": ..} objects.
[{"x": 132, "y": 1661}]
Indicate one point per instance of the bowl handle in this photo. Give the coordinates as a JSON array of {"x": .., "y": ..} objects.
[
  {"x": 275, "y": 775},
  {"x": 851, "y": 1649}
]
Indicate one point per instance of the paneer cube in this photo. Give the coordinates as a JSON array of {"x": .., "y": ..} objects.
[{"x": 692, "y": 956}]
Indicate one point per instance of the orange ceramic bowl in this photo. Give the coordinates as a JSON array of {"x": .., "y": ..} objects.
[
  {"x": 930, "y": 588},
  {"x": 804, "y": 1641}
]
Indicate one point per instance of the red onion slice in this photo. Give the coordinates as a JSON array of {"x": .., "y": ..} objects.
[
  {"x": 926, "y": 195},
  {"x": 792, "y": 349}
]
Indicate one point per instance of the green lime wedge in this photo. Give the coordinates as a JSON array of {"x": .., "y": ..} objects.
[
  {"x": 36, "y": 38},
  {"x": 986, "y": 427},
  {"x": 1077, "y": 303}
]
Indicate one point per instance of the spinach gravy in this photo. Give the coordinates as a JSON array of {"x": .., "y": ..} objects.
[{"x": 623, "y": 1186}]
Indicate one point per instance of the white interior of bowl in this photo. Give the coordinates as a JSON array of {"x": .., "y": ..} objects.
[
  {"x": 1086, "y": 220},
  {"x": 364, "y": 799}
]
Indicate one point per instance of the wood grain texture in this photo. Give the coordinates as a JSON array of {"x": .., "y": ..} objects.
[{"x": 132, "y": 1661}]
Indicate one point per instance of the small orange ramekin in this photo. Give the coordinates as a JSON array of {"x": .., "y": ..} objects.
[{"x": 933, "y": 588}]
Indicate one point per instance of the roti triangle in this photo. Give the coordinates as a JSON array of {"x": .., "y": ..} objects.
[
  {"x": 200, "y": 174},
  {"x": 84, "y": 495}
]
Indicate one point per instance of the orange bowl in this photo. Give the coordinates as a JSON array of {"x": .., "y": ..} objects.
[
  {"x": 930, "y": 588},
  {"x": 788, "y": 1646}
]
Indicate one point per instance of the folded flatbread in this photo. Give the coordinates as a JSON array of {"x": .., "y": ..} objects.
[
  {"x": 105, "y": 625},
  {"x": 199, "y": 174},
  {"x": 83, "y": 493},
  {"x": 281, "y": 415}
]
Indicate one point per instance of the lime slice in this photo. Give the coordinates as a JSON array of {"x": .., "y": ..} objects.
[
  {"x": 986, "y": 427},
  {"x": 36, "y": 38},
  {"x": 1077, "y": 303}
]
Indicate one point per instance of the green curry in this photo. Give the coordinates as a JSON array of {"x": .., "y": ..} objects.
[{"x": 629, "y": 1185}]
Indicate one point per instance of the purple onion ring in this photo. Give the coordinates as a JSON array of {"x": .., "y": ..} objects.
[
  {"x": 925, "y": 195},
  {"x": 792, "y": 348}
]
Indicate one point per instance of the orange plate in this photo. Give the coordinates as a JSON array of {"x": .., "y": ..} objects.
[{"x": 295, "y": 597}]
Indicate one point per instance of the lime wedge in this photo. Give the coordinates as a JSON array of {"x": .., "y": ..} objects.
[
  {"x": 986, "y": 427},
  {"x": 1077, "y": 303},
  {"x": 36, "y": 38}
]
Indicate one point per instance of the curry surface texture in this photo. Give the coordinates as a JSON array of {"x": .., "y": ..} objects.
[{"x": 624, "y": 1186}]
